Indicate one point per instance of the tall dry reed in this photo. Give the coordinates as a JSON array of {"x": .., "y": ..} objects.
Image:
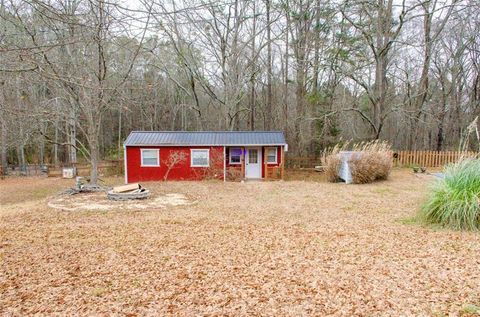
[{"x": 371, "y": 161}]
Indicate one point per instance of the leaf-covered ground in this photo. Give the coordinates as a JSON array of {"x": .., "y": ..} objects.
[{"x": 289, "y": 248}]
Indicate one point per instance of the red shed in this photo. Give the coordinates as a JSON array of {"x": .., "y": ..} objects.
[{"x": 227, "y": 155}]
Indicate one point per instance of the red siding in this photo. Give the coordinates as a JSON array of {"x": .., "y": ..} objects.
[
  {"x": 264, "y": 158},
  {"x": 181, "y": 171}
]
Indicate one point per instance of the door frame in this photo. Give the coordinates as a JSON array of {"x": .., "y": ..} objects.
[{"x": 259, "y": 161}]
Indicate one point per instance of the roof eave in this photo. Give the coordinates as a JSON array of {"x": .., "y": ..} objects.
[{"x": 176, "y": 144}]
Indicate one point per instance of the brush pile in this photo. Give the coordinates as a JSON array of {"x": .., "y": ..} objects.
[{"x": 359, "y": 163}]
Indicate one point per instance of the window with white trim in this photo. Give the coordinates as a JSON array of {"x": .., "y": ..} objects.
[
  {"x": 271, "y": 155},
  {"x": 235, "y": 156},
  {"x": 200, "y": 158},
  {"x": 150, "y": 157}
]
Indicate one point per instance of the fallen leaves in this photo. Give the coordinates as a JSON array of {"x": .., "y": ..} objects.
[{"x": 264, "y": 248}]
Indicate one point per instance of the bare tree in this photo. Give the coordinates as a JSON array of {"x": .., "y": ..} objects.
[
  {"x": 78, "y": 75},
  {"x": 174, "y": 159}
]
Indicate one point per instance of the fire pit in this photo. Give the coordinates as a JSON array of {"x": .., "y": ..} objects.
[{"x": 128, "y": 192}]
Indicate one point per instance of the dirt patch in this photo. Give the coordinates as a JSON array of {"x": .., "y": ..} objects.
[{"x": 99, "y": 201}]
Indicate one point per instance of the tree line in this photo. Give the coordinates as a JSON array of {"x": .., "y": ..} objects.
[{"x": 76, "y": 76}]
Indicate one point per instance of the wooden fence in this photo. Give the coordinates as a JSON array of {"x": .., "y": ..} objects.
[
  {"x": 105, "y": 168},
  {"x": 400, "y": 159},
  {"x": 430, "y": 158},
  {"x": 26, "y": 170},
  {"x": 293, "y": 162}
]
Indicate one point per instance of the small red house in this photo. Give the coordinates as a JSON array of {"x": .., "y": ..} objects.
[{"x": 227, "y": 155}]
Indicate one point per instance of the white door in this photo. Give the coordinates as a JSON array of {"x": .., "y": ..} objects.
[{"x": 253, "y": 163}]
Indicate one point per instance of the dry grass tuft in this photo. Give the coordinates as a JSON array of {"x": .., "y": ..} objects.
[
  {"x": 373, "y": 161},
  {"x": 370, "y": 166},
  {"x": 332, "y": 167}
]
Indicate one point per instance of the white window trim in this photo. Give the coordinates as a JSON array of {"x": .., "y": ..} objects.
[
  {"x": 150, "y": 165},
  {"x": 276, "y": 155},
  {"x": 191, "y": 157},
  {"x": 125, "y": 165},
  {"x": 230, "y": 155}
]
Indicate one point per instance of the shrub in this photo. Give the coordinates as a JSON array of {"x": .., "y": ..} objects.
[
  {"x": 455, "y": 200},
  {"x": 371, "y": 161},
  {"x": 234, "y": 174}
]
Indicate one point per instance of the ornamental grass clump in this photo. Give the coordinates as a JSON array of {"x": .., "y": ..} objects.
[
  {"x": 368, "y": 162},
  {"x": 368, "y": 166},
  {"x": 455, "y": 200},
  {"x": 332, "y": 167}
]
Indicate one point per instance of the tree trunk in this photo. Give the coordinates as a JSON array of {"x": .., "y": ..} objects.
[
  {"x": 268, "y": 106},
  {"x": 381, "y": 62},
  {"x": 285, "y": 80},
  {"x": 4, "y": 147},
  {"x": 300, "y": 100},
  {"x": 94, "y": 158},
  {"x": 55, "y": 145},
  {"x": 440, "y": 134},
  {"x": 422, "y": 92},
  {"x": 41, "y": 151},
  {"x": 253, "y": 70},
  {"x": 316, "y": 57},
  {"x": 21, "y": 159},
  {"x": 94, "y": 120},
  {"x": 119, "y": 146}
]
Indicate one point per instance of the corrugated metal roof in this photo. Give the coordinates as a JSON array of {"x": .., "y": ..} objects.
[{"x": 221, "y": 138}]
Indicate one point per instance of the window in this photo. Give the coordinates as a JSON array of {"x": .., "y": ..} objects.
[
  {"x": 272, "y": 155},
  {"x": 200, "y": 158},
  {"x": 252, "y": 156},
  {"x": 150, "y": 157},
  {"x": 235, "y": 155}
]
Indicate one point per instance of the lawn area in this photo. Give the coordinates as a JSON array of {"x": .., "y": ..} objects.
[{"x": 288, "y": 248}]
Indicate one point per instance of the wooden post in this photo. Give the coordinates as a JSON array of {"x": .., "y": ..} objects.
[
  {"x": 282, "y": 162},
  {"x": 264, "y": 158},
  {"x": 224, "y": 164},
  {"x": 242, "y": 161}
]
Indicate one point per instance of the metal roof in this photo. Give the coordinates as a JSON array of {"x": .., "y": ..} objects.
[{"x": 207, "y": 138}]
